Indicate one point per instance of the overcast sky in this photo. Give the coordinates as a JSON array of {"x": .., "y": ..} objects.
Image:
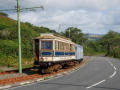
[{"x": 92, "y": 16}]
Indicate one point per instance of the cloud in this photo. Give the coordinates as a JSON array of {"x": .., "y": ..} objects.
[{"x": 92, "y": 16}]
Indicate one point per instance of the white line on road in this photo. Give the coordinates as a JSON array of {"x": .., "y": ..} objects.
[
  {"x": 114, "y": 67},
  {"x": 95, "y": 84},
  {"x": 113, "y": 74},
  {"x": 4, "y": 87},
  {"x": 110, "y": 63}
]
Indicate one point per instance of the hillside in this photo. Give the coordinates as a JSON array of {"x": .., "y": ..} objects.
[{"x": 9, "y": 38}]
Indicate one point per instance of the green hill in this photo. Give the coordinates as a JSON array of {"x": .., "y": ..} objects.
[
  {"x": 9, "y": 40},
  {"x": 93, "y": 37}
]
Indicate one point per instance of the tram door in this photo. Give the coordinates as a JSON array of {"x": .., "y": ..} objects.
[{"x": 36, "y": 51}]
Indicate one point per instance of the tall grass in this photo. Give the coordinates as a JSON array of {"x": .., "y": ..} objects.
[{"x": 9, "y": 61}]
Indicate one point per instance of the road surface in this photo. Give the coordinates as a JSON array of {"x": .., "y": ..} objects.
[{"x": 102, "y": 73}]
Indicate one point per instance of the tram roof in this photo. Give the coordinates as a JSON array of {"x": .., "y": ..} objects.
[{"x": 51, "y": 36}]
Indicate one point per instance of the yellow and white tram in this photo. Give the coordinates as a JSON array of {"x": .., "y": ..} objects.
[
  {"x": 52, "y": 52},
  {"x": 53, "y": 48}
]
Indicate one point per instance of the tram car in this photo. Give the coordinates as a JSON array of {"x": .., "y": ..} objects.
[{"x": 53, "y": 51}]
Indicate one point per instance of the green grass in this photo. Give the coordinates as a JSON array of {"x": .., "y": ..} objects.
[{"x": 13, "y": 62}]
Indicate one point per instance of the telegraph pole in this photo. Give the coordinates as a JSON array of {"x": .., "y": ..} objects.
[{"x": 19, "y": 35}]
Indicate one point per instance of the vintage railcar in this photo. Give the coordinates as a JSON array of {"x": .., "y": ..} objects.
[{"x": 50, "y": 49}]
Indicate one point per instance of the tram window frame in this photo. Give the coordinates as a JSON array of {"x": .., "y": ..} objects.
[
  {"x": 56, "y": 45},
  {"x": 59, "y": 46},
  {"x": 47, "y": 48},
  {"x": 62, "y": 45},
  {"x": 71, "y": 47},
  {"x": 66, "y": 48}
]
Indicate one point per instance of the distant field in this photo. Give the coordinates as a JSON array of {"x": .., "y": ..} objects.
[{"x": 93, "y": 37}]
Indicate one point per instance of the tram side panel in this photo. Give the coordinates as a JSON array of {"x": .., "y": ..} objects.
[{"x": 78, "y": 52}]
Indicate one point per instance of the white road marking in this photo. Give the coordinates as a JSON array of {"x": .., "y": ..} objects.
[
  {"x": 114, "y": 67},
  {"x": 24, "y": 83},
  {"x": 113, "y": 74},
  {"x": 110, "y": 63},
  {"x": 4, "y": 87},
  {"x": 40, "y": 79},
  {"x": 95, "y": 84}
]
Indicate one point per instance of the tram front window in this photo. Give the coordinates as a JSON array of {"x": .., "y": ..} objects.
[{"x": 46, "y": 45}]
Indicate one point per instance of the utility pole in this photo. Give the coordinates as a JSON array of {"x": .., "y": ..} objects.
[{"x": 19, "y": 35}]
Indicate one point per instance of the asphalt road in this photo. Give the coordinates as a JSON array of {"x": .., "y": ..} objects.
[{"x": 102, "y": 73}]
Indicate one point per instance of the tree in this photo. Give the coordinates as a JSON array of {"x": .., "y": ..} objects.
[
  {"x": 75, "y": 35},
  {"x": 111, "y": 42}
]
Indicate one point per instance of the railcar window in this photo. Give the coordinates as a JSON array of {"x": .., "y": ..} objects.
[
  {"x": 71, "y": 47},
  {"x": 66, "y": 47},
  {"x": 62, "y": 46},
  {"x": 46, "y": 45},
  {"x": 56, "y": 45}
]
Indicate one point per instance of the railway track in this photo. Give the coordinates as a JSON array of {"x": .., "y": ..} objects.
[{"x": 32, "y": 69}]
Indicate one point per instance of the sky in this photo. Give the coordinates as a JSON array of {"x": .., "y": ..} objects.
[{"x": 91, "y": 16}]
